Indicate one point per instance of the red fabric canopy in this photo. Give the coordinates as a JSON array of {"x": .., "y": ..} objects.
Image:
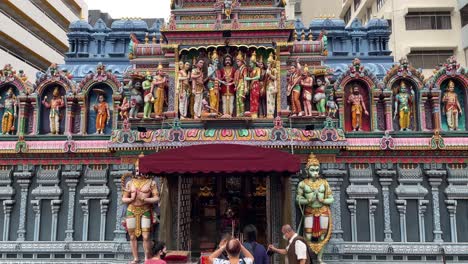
[{"x": 216, "y": 158}]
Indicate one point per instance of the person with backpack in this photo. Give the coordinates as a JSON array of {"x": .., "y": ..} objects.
[
  {"x": 233, "y": 248},
  {"x": 257, "y": 250},
  {"x": 297, "y": 251}
]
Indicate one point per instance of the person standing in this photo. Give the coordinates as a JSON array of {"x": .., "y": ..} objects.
[
  {"x": 234, "y": 248},
  {"x": 257, "y": 250},
  {"x": 296, "y": 251}
]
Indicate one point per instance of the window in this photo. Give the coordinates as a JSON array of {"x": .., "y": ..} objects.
[
  {"x": 464, "y": 15},
  {"x": 356, "y": 4},
  {"x": 347, "y": 16},
  {"x": 428, "y": 21},
  {"x": 380, "y": 4},
  {"x": 428, "y": 59}
]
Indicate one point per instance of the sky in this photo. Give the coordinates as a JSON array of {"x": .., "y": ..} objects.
[{"x": 132, "y": 8}]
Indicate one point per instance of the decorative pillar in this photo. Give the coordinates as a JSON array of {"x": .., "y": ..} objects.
[
  {"x": 7, "y": 208},
  {"x": 6, "y": 195},
  {"x": 341, "y": 106},
  {"x": 401, "y": 206},
  {"x": 55, "y": 208},
  {"x": 85, "y": 208},
  {"x": 81, "y": 103},
  {"x": 388, "y": 110},
  {"x": 352, "y": 210},
  {"x": 23, "y": 177},
  {"x": 36, "y": 204},
  {"x": 422, "y": 206},
  {"x": 35, "y": 117},
  {"x": 69, "y": 122},
  {"x": 116, "y": 101},
  {"x": 71, "y": 175},
  {"x": 386, "y": 174},
  {"x": 452, "y": 208},
  {"x": 104, "y": 205},
  {"x": 294, "y": 183},
  {"x": 435, "y": 180},
  {"x": 435, "y": 95},
  {"x": 116, "y": 173},
  {"x": 372, "y": 207},
  {"x": 334, "y": 173}
]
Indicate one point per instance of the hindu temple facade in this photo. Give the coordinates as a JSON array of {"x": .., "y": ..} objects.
[{"x": 393, "y": 144}]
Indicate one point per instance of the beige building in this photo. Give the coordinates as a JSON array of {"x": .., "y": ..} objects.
[
  {"x": 307, "y": 10},
  {"x": 33, "y": 32},
  {"x": 427, "y": 32},
  {"x": 463, "y": 7}
]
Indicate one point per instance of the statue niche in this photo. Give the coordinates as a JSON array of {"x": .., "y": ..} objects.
[
  {"x": 52, "y": 117},
  {"x": 453, "y": 105},
  {"x": 357, "y": 106},
  {"x": 405, "y": 105},
  {"x": 9, "y": 109},
  {"x": 99, "y": 109}
]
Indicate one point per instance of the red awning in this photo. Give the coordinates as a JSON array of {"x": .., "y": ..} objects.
[{"x": 218, "y": 158}]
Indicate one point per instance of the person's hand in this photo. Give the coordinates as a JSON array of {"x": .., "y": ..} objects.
[
  {"x": 271, "y": 247},
  {"x": 366, "y": 113}
]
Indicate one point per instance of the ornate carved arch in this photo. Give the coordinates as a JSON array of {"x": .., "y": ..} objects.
[
  {"x": 359, "y": 73},
  {"x": 46, "y": 80}
]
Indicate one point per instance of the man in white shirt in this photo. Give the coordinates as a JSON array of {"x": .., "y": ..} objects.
[{"x": 296, "y": 251}]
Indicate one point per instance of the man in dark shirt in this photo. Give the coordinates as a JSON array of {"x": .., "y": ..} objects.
[{"x": 257, "y": 250}]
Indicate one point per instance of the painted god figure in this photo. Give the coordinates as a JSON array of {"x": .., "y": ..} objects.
[
  {"x": 271, "y": 86},
  {"x": 320, "y": 97},
  {"x": 403, "y": 102},
  {"x": 358, "y": 107},
  {"x": 140, "y": 194},
  {"x": 9, "y": 112},
  {"x": 306, "y": 83},
  {"x": 332, "y": 107},
  {"x": 294, "y": 88},
  {"x": 124, "y": 108},
  {"x": 184, "y": 89},
  {"x": 148, "y": 95},
  {"x": 226, "y": 78},
  {"x": 56, "y": 103},
  {"x": 102, "y": 114},
  {"x": 452, "y": 107},
  {"x": 242, "y": 87},
  {"x": 135, "y": 100},
  {"x": 315, "y": 196},
  {"x": 198, "y": 87},
  {"x": 213, "y": 85},
  {"x": 262, "y": 108},
  {"x": 255, "y": 86},
  {"x": 158, "y": 90}
]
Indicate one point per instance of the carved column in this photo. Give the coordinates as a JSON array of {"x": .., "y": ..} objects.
[
  {"x": 36, "y": 204},
  {"x": 386, "y": 174},
  {"x": 435, "y": 174},
  {"x": 104, "y": 206},
  {"x": 35, "y": 117},
  {"x": 23, "y": 177},
  {"x": 55, "y": 208},
  {"x": 22, "y": 114},
  {"x": 81, "y": 103},
  {"x": 69, "y": 121},
  {"x": 6, "y": 195},
  {"x": 401, "y": 206},
  {"x": 334, "y": 173},
  {"x": 294, "y": 183},
  {"x": 422, "y": 206},
  {"x": 116, "y": 99},
  {"x": 452, "y": 208},
  {"x": 116, "y": 173},
  {"x": 388, "y": 110},
  {"x": 341, "y": 106},
  {"x": 436, "y": 109},
  {"x": 352, "y": 210},
  {"x": 372, "y": 207},
  {"x": 373, "y": 111},
  {"x": 71, "y": 175},
  {"x": 85, "y": 208}
]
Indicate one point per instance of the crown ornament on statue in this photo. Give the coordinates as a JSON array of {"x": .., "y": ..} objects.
[
  {"x": 214, "y": 56},
  {"x": 451, "y": 84},
  {"x": 253, "y": 58},
  {"x": 306, "y": 68},
  {"x": 312, "y": 160},
  {"x": 160, "y": 67},
  {"x": 240, "y": 56}
]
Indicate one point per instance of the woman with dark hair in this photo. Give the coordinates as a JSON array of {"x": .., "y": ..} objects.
[
  {"x": 233, "y": 248},
  {"x": 257, "y": 250},
  {"x": 159, "y": 253}
]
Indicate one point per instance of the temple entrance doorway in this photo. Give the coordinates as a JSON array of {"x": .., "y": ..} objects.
[{"x": 225, "y": 204}]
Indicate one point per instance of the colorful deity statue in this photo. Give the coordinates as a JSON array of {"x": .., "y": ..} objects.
[
  {"x": 22, "y": 76},
  {"x": 294, "y": 88},
  {"x": 148, "y": 95},
  {"x": 271, "y": 86},
  {"x": 262, "y": 107},
  {"x": 240, "y": 81},
  {"x": 314, "y": 197},
  {"x": 403, "y": 103},
  {"x": 184, "y": 88},
  {"x": 158, "y": 88},
  {"x": 124, "y": 108},
  {"x": 332, "y": 107},
  {"x": 306, "y": 84},
  {"x": 213, "y": 85},
  {"x": 358, "y": 106},
  {"x": 140, "y": 194},
  {"x": 452, "y": 107},
  {"x": 56, "y": 103},
  {"x": 53, "y": 70},
  {"x": 198, "y": 87},
  {"x": 136, "y": 100},
  {"x": 255, "y": 86},
  {"x": 9, "y": 112},
  {"x": 226, "y": 78},
  {"x": 320, "y": 97},
  {"x": 102, "y": 114}
]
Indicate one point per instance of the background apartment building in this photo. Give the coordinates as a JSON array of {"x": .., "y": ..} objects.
[
  {"x": 427, "y": 32},
  {"x": 463, "y": 7},
  {"x": 33, "y": 32},
  {"x": 306, "y": 10}
]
